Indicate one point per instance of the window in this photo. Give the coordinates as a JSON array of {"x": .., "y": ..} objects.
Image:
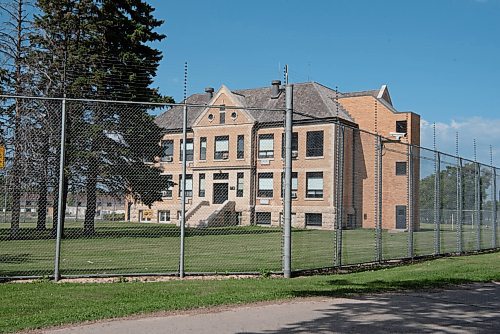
[
  {"x": 145, "y": 215},
  {"x": 313, "y": 219},
  {"x": 170, "y": 183},
  {"x": 201, "y": 190},
  {"x": 221, "y": 176},
  {"x": 179, "y": 214},
  {"x": 221, "y": 147},
  {"x": 163, "y": 216},
  {"x": 189, "y": 150},
  {"x": 314, "y": 144},
  {"x": 401, "y": 168},
  {"x": 295, "y": 184},
  {"x": 240, "y": 147},
  {"x": 265, "y": 185},
  {"x": 266, "y": 146},
  {"x": 203, "y": 148},
  {"x": 314, "y": 184},
  {"x": 222, "y": 117},
  {"x": 263, "y": 218},
  {"x": 401, "y": 126},
  {"x": 167, "y": 150},
  {"x": 189, "y": 185},
  {"x": 240, "y": 185},
  {"x": 295, "y": 143}
]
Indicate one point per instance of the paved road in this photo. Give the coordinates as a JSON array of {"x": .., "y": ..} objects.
[{"x": 468, "y": 309}]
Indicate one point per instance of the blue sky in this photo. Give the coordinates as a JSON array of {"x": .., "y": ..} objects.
[{"x": 440, "y": 58}]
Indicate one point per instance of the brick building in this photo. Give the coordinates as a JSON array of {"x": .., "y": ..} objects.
[{"x": 235, "y": 165}]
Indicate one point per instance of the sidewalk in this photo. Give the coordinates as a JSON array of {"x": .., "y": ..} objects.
[{"x": 468, "y": 309}]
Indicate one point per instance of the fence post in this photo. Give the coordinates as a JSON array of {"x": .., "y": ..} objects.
[
  {"x": 459, "y": 206},
  {"x": 60, "y": 198},
  {"x": 287, "y": 210},
  {"x": 437, "y": 203},
  {"x": 411, "y": 215},
  {"x": 494, "y": 209},
  {"x": 339, "y": 195},
  {"x": 477, "y": 206},
  {"x": 183, "y": 192},
  {"x": 378, "y": 196}
]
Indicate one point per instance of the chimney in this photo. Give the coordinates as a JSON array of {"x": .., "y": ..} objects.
[
  {"x": 209, "y": 91},
  {"x": 275, "y": 89}
]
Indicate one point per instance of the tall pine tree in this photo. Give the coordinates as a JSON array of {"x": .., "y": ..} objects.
[{"x": 101, "y": 50}]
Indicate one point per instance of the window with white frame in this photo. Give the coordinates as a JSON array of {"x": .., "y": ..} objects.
[
  {"x": 240, "y": 184},
  {"x": 314, "y": 184},
  {"x": 265, "y": 185},
  {"x": 203, "y": 148},
  {"x": 201, "y": 190},
  {"x": 295, "y": 144},
  {"x": 163, "y": 216},
  {"x": 266, "y": 146},
  {"x": 167, "y": 150},
  {"x": 221, "y": 147},
  {"x": 189, "y": 150},
  {"x": 189, "y": 185}
]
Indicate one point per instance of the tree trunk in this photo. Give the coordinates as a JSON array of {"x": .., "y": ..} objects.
[
  {"x": 91, "y": 189},
  {"x": 15, "y": 174},
  {"x": 42, "y": 204},
  {"x": 43, "y": 188}
]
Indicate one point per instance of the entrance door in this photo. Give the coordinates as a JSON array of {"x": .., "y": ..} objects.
[
  {"x": 401, "y": 217},
  {"x": 220, "y": 193}
]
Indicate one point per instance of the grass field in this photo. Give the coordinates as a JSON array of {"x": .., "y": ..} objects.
[
  {"x": 125, "y": 248},
  {"x": 41, "y": 304}
]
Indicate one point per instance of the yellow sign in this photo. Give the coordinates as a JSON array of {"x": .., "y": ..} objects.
[
  {"x": 147, "y": 214},
  {"x": 2, "y": 157}
]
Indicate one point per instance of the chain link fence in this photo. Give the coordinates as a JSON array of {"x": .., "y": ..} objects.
[{"x": 357, "y": 197}]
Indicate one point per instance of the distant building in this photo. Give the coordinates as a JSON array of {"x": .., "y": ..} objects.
[{"x": 235, "y": 165}]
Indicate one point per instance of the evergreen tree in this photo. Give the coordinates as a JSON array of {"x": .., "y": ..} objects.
[
  {"x": 100, "y": 50},
  {"x": 14, "y": 47}
]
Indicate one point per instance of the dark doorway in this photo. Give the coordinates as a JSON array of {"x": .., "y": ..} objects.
[
  {"x": 401, "y": 217},
  {"x": 220, "y": 193}
]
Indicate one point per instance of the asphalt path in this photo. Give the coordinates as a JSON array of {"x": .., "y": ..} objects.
[{"x": 465, "y": 309}]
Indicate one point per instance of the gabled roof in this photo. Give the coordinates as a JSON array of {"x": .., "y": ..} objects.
[
  {"x": 310, "y": 101},
  {"x": 381, "y": 94}
]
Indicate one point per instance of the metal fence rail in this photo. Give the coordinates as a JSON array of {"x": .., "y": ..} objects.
[{"x": 140, "y": 198}]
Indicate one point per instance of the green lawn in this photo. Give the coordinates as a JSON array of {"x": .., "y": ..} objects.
[
  {"x": 42, "y": 304},
  {"x": 125, "y": 248}
]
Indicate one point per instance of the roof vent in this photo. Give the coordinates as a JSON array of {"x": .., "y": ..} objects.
[
  {"x": 275, "y": 89},
  {"x": 209, "y": 91}
]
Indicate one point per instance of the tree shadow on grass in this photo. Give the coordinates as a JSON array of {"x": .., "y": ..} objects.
[
  {"x": 15, "y": 258},
  {"x": 470, "y": 309},
  {"x": 133, "y": 231}
]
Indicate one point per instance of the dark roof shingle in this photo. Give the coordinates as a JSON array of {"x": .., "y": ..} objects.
[{"x": 310, "y": 101}]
